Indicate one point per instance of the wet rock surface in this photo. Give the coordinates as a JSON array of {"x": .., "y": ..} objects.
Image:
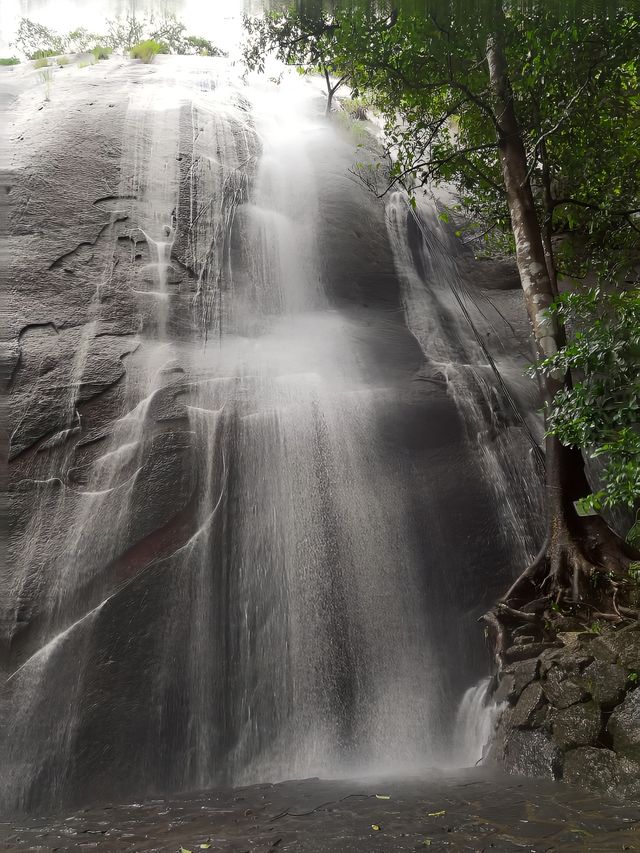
[
  {"x": 219, "y": 399},
  {"x": 467, "y": 810},
  {"x": 574, "y": 713},
  {"x": 624, "y": 727}
]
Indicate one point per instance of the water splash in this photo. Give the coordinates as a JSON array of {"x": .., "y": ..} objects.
[{"x": 476, "y": 719}]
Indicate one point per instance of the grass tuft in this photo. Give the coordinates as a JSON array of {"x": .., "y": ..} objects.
[
  {"x": 9, "y": 60},
  {"x": 147, "y": 50},
  {"x": 44, "y": 53},
  {"x": 101, "y": 52}
]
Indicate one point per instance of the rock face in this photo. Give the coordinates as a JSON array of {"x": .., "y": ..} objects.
[
  {"x": 573, "y": 712},
  {"x": 577, "y": 726},
  {"x": 229, "y": 379},
  {"x": 532, "y": 753},
  {"x": 624, "y": 727}
]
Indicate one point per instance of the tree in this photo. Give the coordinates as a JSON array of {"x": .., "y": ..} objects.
[
  {"x": 36, "y": 40},
  {"x": 600, "y": 411},
  {"x": 527, "y": 112},
  {"x": 297, "y": 38},
  {"x": 81, "y": 40}
]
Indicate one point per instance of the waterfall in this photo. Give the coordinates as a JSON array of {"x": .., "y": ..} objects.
[
  {"x": 264, "y": 474},
  {"x": 483, "y": 386},
  {"x": 476, "y": 720}
]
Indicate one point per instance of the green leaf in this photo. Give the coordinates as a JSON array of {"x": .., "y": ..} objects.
[{"x": 584, "y": 508}]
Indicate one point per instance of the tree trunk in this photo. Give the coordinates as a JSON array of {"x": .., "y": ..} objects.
[
  {"x": 547, "y": 225},
  {"x": 574, "y": 544},
  {"x": 330, "y": 91},
  {"x": 530, "y": 255}
]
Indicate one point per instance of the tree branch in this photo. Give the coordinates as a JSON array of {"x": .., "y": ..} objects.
[
  {"x": 433, "y": 166},
  {"x": 563, "y": 117}
]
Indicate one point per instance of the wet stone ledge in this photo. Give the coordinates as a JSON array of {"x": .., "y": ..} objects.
[
  {"x": 471, "y": 810},
  {"x": 571, "y": 711}
]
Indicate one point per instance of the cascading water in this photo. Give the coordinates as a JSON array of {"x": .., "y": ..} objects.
[
  {"x": 438, "y": 307},
  {"x": 475, "y": 723},
  {"x": 257, "y": 554}
]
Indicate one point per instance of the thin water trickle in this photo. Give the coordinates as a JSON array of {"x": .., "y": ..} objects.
[
  {"x": 434, "y": 292},
  {"x": 476, "y": 719}
]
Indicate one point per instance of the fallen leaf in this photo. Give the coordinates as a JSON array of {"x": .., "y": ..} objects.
[
  {"x": 375, "y": 827},
  {"x": 205, "y": 846},
  {"x": 382, "y": 797},
  {"x": 437, "y": 814},
  {"x": 184, "y": 850}
]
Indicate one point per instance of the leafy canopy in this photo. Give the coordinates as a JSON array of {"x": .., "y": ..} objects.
[{"x": 601, "y": 412}]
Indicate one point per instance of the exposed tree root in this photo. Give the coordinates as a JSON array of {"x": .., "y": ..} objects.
[{"x": 580, "y": 576}]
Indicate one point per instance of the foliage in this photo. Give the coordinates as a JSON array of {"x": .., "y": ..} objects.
[
  {"x": 101, "y": 52},
  {"x": 574, "y": 75},
  {"x": 148, "y": 50},
  {"x": 124, "y": 32},
  {"x": 306, "y": 41},
  {"x": 197, "y": 46},
  {"x": 128, "y": 31},
  {"x": 356, "y": 107},
  {"x": 43, "y": 62},
  {"x": 36, "y": 40},
  {"x": 44, "y": 54},
  {"x": 47, "y": 78},
  {"x": 62, "y": 61},
  {"x": 9, "y": 60},
  {"x": 601, "y": 411},
  {"x": 167, "y": 30},
  {"x": 78, "y": 40}
]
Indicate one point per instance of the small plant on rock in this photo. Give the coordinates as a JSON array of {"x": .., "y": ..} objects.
[
  {"x": 147, "y": 50},
  {"x": 101, "y": 52},
  {"x": 47, "y": 76},
  {"x": 195, "y": 45}
]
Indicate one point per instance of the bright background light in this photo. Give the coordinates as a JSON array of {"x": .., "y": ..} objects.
[{"x": 217, "y": 20}]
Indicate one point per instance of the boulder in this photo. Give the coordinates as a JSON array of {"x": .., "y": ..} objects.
[
  {"x": 578, "y": 725},
  {"x": 624, "y": 646},
  {"x": 532, "y": 753},
  {"x": 521, "y": 674},
  {"x": 531, "y": 699},
  {"x": 606, "y": 682},
  {"x": 629, "y": 786},
  {"x": 589, "y": 767},
  {"x": 505, "y": 690},
  {"x": 526, "y": 651},
  {"x": 562, "y": 690},
  {"x": 569, "y": 659},
  {"x": 624, "y": 727}
]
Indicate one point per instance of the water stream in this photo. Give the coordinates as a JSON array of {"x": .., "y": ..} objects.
[{"x": 265, "y": 556}]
